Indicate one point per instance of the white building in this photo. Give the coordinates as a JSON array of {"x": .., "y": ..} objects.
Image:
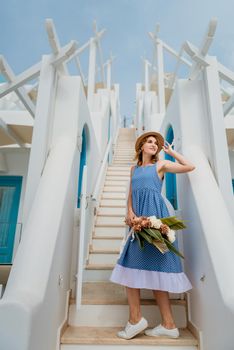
[{"x": 64, "y": 167}]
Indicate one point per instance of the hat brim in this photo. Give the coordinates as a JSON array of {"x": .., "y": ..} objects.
[{"x": 159, "y": 138}]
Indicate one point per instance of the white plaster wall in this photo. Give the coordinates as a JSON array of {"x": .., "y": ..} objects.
[
  {"x": 34, "y": 302},
  {"x": 208, "y": 311},
  {"x": 17, "y": 165},
  {"x": 231, "y": 157}
]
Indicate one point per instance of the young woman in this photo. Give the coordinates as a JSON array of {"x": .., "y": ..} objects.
[{"x": 149, "y": 268}]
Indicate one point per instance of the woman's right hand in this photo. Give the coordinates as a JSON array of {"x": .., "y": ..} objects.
[{"x": 130, "y": 216}]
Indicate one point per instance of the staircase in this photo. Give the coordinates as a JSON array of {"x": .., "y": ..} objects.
[{"x": 104, "y": 308}]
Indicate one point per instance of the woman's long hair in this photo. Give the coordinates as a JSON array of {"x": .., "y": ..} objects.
[{"x": 138, "y": 155}]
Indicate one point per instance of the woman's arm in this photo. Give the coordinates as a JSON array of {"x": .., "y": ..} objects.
[{"x": 181, "y": 166}]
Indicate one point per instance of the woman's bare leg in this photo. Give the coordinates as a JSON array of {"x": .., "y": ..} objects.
[
  {"x": 164, "y": 305},
  {"x": 133, "y": 295}
]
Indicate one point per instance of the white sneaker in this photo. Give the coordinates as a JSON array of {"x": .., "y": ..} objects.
[
  {"x": 131, "y": 330},
  {"x": 162, "y": 331}
]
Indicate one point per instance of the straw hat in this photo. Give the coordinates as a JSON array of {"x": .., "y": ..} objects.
[{"x": 159, "y": 138}]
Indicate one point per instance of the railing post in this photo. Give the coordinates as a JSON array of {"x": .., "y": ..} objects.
[
  {"x": 161, "y": 87},
  {"x": 109, "y": 75},
  {"x": 92, "y": 69},
  {"x": 146, "y": 75},
  {"x": 82, "y": 249}
]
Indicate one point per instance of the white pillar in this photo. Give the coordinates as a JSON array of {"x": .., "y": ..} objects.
[
  {"x": 41, "y": 132},
  {"x": 161, "y": 87},
  {"x": 109, "y": 76},
  {"x": 92, "y": 69},
  {"x": 146, "y": 76}
]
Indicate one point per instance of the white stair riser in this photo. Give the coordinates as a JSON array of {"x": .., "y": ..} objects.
[
  {"x": 102, "y": 259},
  {"x": 108, "y": 195},
  {"x": 113, "y": 203},
  {"x": 96, "y": 275},
  {"x": 116, "y": 178},
  {"x": 117, "y": 315},
  {"x": 109, "y": 211},
  {"x": 118, "y": 173},
  {"x": 116, "y": 183},
  {"x": 110, "y": 231},
  {"x": 112, "y": 220},
  {"x": 124, "y": 162},
  {"x": 113, "y": 189},
  {"x": 119, "y": 168},
  {"x": 110, "y": 244},
  {"x": 125, "y": 347}
]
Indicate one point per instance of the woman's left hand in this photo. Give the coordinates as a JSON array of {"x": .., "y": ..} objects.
[{"x": 168, "y": 148}]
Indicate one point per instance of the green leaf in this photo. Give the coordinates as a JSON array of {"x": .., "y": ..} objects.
[
  {"x": 172, "y": 248},
  {"x": 154, "y": 233},
  {"x": 140, "y": 240},
  {"x": 146, "y": 237},
  {"x": 173, "y": 222}
]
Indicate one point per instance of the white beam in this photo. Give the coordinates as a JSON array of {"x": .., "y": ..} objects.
[
  {"x": 21, "y": 79},
  {"x": 176, "y": 54},
  {"x": 226, "y": 74},
  {"x": 54, "y": 42},
  {"x": 99, "y": 51},
  {"x": 11, "y": 133},
  {"x": 228, "y": 105},
  {"x": 92, "y": 73},
  {"x": 202, "y": 52},
  {"x": 21, "y": 92},
  {"x": 65, "y": 53}
]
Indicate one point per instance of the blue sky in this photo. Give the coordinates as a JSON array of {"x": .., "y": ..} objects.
[{"x": 24, "y": 39}]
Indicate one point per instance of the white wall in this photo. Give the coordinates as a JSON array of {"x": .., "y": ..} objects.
[
  {"x": 231, "y": 157},
  {"x": 17, "y": 165},
  {"x": 34, "y": 304},
  {"x": 187, "y": 113}
]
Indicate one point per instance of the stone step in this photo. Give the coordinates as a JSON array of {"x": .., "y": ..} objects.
[
  {"x": 116, "y": 195},
  {"x": 117, "y": 315},
  {"x": 115, "y": 203},
  {"x": 119, "y": 167},
  {"x": 116, "y": 178},
  {"x": 116, "y": 183},
  {"x": 102, "y": 244},
  {"x": 106, "y": 258},
  {"x": 108, "y": 293},
  {"x": 110, "y": 221},
  {"x": 109, "y": 231},
  {"x": 114, "y": 189},
  {"x": 99, "y": 275},
  {"x": 111, "y": 211},
  {"x": 89, "y": 338},
  {"x": 118, "y": 173}
]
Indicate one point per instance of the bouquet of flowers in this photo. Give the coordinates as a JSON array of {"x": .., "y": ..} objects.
[{"x": 159, "y": 232}]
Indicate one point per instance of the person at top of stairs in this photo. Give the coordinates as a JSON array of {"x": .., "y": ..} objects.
[{"x": 148, "y": 268}]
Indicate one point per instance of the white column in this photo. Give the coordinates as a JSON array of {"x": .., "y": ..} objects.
[
  {"x": 146, "y": 76},
  {"x": 92, "y": 69},
  {"x": 41, "y": 132},
  {"x": 161, "y": 87},
  {"x": 109, "y": 76}
]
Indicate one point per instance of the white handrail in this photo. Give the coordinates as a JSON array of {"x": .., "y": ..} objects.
[
  {"x": 81, "y": 250},
  {"x": 101, "y": 172},
  {"x": 214, "y": 219}
]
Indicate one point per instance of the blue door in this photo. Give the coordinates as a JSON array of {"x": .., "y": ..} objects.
[
  {"x": 10, "y": 188},
  {"x": 171, "y": 192},
  {"x": 82, "y": 164}
]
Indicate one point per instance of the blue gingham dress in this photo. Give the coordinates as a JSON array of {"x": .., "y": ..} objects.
[{"x": 149, "y": 268}]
